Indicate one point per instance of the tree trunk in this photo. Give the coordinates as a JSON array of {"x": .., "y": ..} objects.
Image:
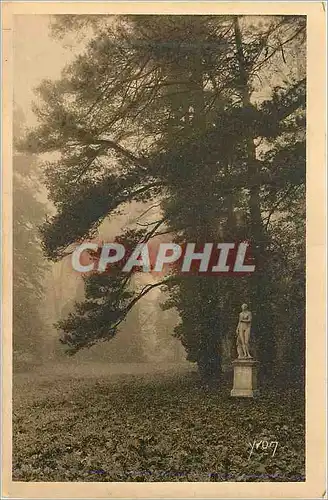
[
  {"x": 209, "y": 367},
  {"x": 259, "y": 285}
]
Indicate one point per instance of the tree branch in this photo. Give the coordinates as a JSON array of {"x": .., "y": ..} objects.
[
  {"x": 143, "y": 162},
  {"x": 146, "y": 289}
]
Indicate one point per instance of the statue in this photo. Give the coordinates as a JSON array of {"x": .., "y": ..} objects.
[
  {"x": 243, "y": 332},
  {"x": 245, "y": 367}
]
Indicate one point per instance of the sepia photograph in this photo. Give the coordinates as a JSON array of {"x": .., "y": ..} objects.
[{"x": 159, "y": 197}]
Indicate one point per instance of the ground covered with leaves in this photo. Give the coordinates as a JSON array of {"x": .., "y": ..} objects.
[{"x": 161, "y": 427}]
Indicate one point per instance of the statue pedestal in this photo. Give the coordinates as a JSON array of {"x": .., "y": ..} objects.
[{"x": 245, "y": 378}]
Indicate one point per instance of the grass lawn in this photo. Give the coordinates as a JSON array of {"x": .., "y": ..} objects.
[{"x": 152, "y": 428}]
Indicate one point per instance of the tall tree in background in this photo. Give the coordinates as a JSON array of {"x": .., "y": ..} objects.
[
  {"x": 29, "y": 265},
  {"x": 261, "y": 151},
  {"x": 169, "y": 108}
]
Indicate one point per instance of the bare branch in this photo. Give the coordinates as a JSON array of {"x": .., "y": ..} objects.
[
  {"x": 148, "y": 210},
  {"x": 146, "y": 289},
  {"x": 120, "y": 149}
]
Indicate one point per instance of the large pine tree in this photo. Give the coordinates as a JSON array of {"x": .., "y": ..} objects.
[{"x": 171, "y": 109}]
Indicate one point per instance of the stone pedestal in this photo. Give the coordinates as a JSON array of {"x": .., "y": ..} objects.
[{"x": 245, "y": 378}]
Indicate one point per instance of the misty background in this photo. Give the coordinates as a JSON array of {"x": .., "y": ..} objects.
[{"x": 45, "y": 292}]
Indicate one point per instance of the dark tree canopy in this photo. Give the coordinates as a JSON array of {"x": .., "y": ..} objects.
[{"x": 206, "y": 116}]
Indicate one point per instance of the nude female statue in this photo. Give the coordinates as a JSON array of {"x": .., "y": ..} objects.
[{"x": 243, "y": 332}]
